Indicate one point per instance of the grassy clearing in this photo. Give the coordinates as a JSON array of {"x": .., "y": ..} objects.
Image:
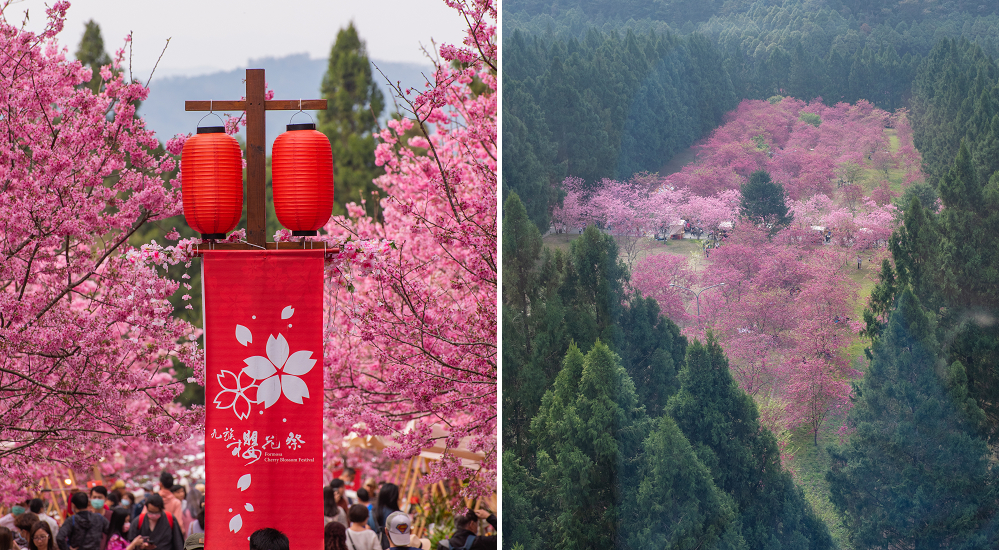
[
  {"x": 647, "y": 247},
  {"x": 810, "y": 464},
  {"x": 871, "y": 176}
]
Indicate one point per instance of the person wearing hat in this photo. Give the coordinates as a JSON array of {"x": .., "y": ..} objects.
[
  {"x": 466, "y": 534},
  {"x": 398, "y": 529},
  {"x": 195, "y": 542},
  {"x": 15, "y": 511}
]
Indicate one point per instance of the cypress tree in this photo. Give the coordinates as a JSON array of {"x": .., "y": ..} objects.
[
  {"x": 969, "y": 253},
  {"x": 915, "y": 247},
  {"x": 91, "y": 53},
  {"x": 721, "y": 422},
  {"x": 652, "y": 351},
  {"x": 355, "y": 103},
  {"x": 518, "y": 505},
  {"x": 524, "y": 379},
  {"x": 762, "y": 202},
  {"x": 913, "y": 475},
  {"x": 596, "y": 290},
  {"x": 589, "y": 450},
  {"x": 676, "y": 505}
]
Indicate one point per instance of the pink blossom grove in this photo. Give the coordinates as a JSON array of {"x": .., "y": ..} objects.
[
  {"x": 784, "y": 310},
  {"x": 411, "y": 329}
]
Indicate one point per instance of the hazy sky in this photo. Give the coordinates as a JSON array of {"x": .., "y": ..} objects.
[{"x": 209, "y": 35}]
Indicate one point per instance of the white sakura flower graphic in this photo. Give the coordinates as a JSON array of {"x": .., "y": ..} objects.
[
  {"x": 279, "y": 373},
  {"x": 234, "y": 394}
]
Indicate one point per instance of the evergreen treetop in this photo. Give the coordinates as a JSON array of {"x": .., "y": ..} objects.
[{"x": 354, "y": 105}]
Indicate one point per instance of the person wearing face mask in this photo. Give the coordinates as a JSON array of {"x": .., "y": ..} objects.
[
  {"x": 98, "y": 501},
  {"x": 159, "y": 528},
  {"x": 84, "y": 530},
  {"x": 118, "y": 531},
  {"x": 15, "y": 510},
  {"x": 23, "y": 524}
]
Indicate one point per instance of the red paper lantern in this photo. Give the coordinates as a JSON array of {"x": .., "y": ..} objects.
[
  {"x": 302, "y": 179},
  {"x": 212, "y": 182}
]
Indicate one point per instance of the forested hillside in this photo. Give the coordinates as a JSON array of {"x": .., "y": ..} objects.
[
  {"x": 839, "y": 51},
  {"x": 617, "y": 433},
  {"x": 813, "y": 361},
  {"x": 606, "y": 106}
]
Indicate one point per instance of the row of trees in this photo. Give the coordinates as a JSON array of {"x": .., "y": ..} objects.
[
  {"x": 617, "y": 431},
  {"x": 828, "y": 49},
  {"x": 877, "y": 12},
  {"x": 929, "y": 397}
]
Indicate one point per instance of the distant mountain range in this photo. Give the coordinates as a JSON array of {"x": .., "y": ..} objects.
[{"x": 291, "y": 77}]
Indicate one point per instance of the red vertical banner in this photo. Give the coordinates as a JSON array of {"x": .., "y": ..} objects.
[{"x": 263, "y": 396}]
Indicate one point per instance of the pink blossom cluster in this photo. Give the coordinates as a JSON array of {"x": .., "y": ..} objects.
[
  {"x": 785, "y": 313},
  {"x": 639, "y": 208},
  {"x": 411, "y": 299},
  {"x": 86, "y": 328},
  {"x": 785, "y": 318},
  {"x": 806, "y": 159}
]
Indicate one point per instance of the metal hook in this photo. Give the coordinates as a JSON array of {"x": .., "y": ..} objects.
[
  {"x": 301, "y": 111},
  {"x": 211, "y": 111}
]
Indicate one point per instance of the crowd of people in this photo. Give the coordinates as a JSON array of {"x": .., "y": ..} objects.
[
  {"x": 173, "y": 518},
  {"x": 111, "y": 519}
]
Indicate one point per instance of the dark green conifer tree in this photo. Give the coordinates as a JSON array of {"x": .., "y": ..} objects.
[
  {"x": 519, "y": 507},
  {"x": 720, "y": 420},
  {"x": 652, "y": 351},
  {"x": 524, "y": 379},
  {"x": 915, "y": 247},
  {"x": 91, "y": 53},
  {"x": 762, "y": 202},
  {"x": 913, "y": 475},
  {"x": 590, "y": 441},
  {"x": 596, "y": 292},
  {"x": 676, "y": 505},
  {"x": 355, "y": 103}
]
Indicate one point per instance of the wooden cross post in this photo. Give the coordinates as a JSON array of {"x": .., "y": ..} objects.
[{"x": 254, "y": 106}]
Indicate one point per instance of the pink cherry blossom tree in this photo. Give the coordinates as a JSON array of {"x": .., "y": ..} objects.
[
  {"x": 653, "y": 276},
  {"x": 411, "y": 302},
  {"x": 85, "y": 323}
]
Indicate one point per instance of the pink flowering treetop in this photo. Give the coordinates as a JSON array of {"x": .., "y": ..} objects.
[
  {"x": 411, "y": 301},
  {"x": 85, "y": 325}
]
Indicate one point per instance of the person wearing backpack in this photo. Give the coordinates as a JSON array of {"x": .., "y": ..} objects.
[
  {"x": 466, "y": 532},
  {"x": 160, "y": 529},
  {"x": 84, "y": 530}
]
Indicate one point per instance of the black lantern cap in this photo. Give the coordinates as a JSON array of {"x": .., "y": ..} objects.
[
  {"x": 212, "y": 130},
  {"x": 303, "y": 126},
  {"x": 312, "y": 233},
  {"x": 213, "y": 236}
]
